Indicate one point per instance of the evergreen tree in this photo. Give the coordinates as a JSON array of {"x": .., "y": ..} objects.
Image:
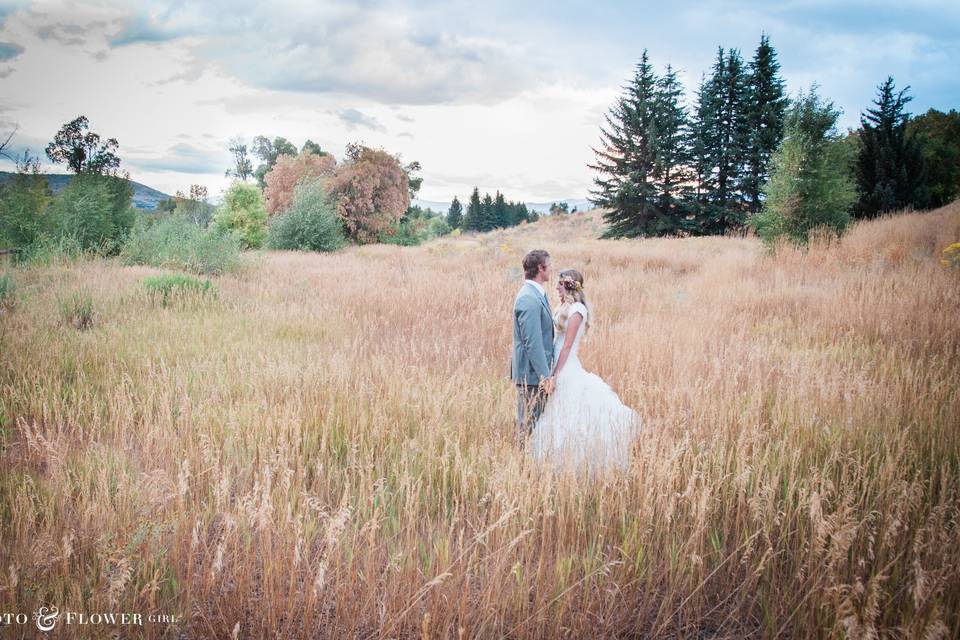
[
  {"x": 671, "y": 174},
  {"x": 512, "y": 213},
  {"x": 734, "y": 135},
  {"x": 890, "y": 166},
  {"x": 702, "y": 140},
  {"x": 501, "y": 215},
  {"x": 523, "y": 214},
  {"x": 487, "y": 213},
  {"x": 625, "y": 160},
  {"x": 472, "y": 221},
  {"x": 766, "y": 106},
  {"x": 455, "y": 214},
  {"x": 719, "y": 140}
]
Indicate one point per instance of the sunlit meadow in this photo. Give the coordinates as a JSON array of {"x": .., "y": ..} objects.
[{"x": 322, "y": 445}]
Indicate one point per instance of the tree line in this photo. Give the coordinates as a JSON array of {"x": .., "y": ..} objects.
[
  {"x": 370, "y": 191},
  {"x": 744, "y": 154},
  {"x": 302, "y": 199},
  {"x": 488, "y": 213}
]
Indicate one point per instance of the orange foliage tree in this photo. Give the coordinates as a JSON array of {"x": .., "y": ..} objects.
[
  {"x": 290, "y": 170},
  {"x": 370, "y": 191}
]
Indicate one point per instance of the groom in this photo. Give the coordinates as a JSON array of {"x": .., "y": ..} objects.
[{"x": 532, "y": 342}]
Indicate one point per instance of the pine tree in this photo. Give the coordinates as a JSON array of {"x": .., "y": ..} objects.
[
  {"x": 890, "y": 167},
  {"x": 455, "y": 214},
  {"x": 525, "y": 215},
  {"x": 626, "y": 160},
  {"x": 515, "y": 213},
  {"x": 719, "y": 140},
  {"x": 487, "y": 220},
  {"x": 734, "y": 135},
  {"x": 501, "y": 216},
  {"x": 766, "y": 106},
  {"x": 671, "y": 173},
  {"x": 702, "y": 141},
  {"x": 471, "y": 222}
]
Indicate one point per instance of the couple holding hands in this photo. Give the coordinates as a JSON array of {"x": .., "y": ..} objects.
[{"x": 571, "y": 417}]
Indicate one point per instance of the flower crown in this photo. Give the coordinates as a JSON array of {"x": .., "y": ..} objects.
[{"x": 570, "y": 284}]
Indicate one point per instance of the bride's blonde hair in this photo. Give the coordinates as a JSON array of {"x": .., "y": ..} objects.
[{"x": 572, "y": 281}]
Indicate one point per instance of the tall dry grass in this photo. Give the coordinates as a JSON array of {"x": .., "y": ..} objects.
[{"x": 326, "y": 448}]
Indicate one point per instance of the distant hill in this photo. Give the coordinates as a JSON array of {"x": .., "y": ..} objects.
[
  {"x": 143, "y": 196},
  {"x": 539, "y": 207}
]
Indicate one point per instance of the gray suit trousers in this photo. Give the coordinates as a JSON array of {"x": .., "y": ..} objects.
[{"x": 530, "y": 402}]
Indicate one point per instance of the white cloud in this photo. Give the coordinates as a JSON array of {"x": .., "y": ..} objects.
[
  {"x": 498, "y": 95},
  {"x": 354, "y": 119},
  {"x": 377, "y": 53},
  {"x": 183, "y": 158}
]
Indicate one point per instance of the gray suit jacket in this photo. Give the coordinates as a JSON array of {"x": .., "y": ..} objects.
[{"x": 532, "y": 336}]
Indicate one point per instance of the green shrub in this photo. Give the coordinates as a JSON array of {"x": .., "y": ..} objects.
[
  {"x": 50, "y": 249},
  {"x": 23, "y": 210},
  {"x": 244, "y": 212},
  {"x": 77, "y": 310},
  {"x": 403, "y": 233},
  {"x": 95, "y": 211},
  {"x": 197, "y": 211},
  {"x": 8, "y": 290},
  {"x": 170, "y": 287},
  {"x": 174, "y": 242},
  {"x": 414, "y": 230},
  {"x": 437, "y": 227},
  {"x": 310, "y": 224}
]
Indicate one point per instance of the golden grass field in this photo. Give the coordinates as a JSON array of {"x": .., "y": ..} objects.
[{"x": 326, "y": 449}]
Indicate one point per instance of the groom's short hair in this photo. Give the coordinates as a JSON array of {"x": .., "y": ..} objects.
[{"x": 532, "y": 262}]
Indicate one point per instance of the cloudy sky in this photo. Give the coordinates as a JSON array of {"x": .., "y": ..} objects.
[{"x": 504, "y": 95}]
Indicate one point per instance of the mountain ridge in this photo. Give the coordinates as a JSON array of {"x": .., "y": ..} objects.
[
  {"x": 144, "y": 198},
  {"x": 581, "y": 204}
]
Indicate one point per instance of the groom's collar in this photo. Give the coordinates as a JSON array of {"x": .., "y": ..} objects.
[{"x": 537, "y": 286}]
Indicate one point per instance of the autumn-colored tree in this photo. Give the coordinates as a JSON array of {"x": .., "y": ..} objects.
[
  {"x": 288, "y": 171},
  {"x": 371, "y": 192}
]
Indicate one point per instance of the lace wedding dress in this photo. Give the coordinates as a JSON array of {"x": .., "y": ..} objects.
[{"x": 584, "y": 426}]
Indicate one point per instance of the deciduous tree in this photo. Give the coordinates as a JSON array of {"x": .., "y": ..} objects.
[
  {"x": 268, "y": 151},
  {"x": 371, "y": 192},
  {"x": 939, "y": 134},
  {"x": 289, "y": 170},
  {"x": 242, "y": 166},
  {"x": 82, "y": 150},
  {"x": 809, "y": 185},
  {"x": 244, "y": 213}
]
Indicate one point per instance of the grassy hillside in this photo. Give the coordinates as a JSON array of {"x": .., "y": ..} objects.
[
  {"x": 144, "y": 197},
  {"x": 327, "y": 444}
]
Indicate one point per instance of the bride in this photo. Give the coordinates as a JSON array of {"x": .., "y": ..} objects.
[{"x": 584, "y": 424}]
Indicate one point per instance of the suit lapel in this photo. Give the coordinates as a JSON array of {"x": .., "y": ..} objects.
[{"x": 543, "y": 299}]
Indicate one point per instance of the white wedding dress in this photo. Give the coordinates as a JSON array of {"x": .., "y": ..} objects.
[{"x": 584, "y": 426}]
